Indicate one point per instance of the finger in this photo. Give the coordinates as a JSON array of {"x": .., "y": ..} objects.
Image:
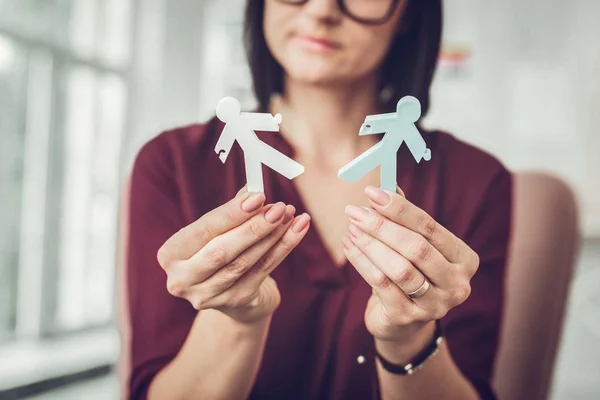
[
  {"x": 227, "y": 247},
  {"x": 251, "y": 281},
  {"x": 185, "y": 243},
  {"x": 397, "y": 268},
  {"x": 398, "y": 209},
  {"x": 400, "y": 191},
  {"x": 228, "y": 275},
  {"x": 407, "y": 243},
  {"x": 392, "y": 297},
  {"x": 242, "y": 190},
  {"x": 290, "y": 239}
]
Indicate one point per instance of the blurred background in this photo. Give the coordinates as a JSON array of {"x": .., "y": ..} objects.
[{"x": 84, "y": 83}]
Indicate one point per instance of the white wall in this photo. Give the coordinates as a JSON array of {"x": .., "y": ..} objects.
[
  {"x": 167, "y": 65},
  {"x": 224, "y": 68},
  {"x": 532, "y": 92}
]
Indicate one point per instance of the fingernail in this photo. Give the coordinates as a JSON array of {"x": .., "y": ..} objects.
[
  {"x": 275, "y": 213},
  {"x": 253, "y": 203},
  {"x": 357, "y": 213},
  {"x": 289, "y": 213},
  {"x": 355, "y": 231},
  {"x": 378, "y": 196},
  {"x": 300, "y": 223}
]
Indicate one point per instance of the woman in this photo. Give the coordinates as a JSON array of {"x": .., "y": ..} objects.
[{"x": 255, "y": 298}]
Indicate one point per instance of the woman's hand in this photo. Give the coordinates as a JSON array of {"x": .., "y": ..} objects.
[
  {"x": 396, "y": 247},
  {"x": 223, "y": 260}
]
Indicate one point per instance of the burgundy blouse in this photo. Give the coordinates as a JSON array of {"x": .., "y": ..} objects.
[{"x": 318, "y": 331}]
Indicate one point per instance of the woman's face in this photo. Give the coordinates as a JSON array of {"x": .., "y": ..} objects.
[{"x": 316, "y": 43}]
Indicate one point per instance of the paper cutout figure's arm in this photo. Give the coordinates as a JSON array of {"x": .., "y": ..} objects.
[
  {"x": 225, "y": 142},
  {"x": 408, "y": 110},
  {"x": 416, "y": 144},
  {"x": 376, "y": 124},
  {"x": 261, "y": 121}
]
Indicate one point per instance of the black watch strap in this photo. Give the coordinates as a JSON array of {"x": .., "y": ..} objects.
[{"x": 417, "y": 363}]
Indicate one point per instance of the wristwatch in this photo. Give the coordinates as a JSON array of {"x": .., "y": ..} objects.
[{"x": 416, "y": 363}]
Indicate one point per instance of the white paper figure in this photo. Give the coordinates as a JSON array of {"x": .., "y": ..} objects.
[
  {"x": 240, "y": 126},
  {"x": 397, "y": 127}
]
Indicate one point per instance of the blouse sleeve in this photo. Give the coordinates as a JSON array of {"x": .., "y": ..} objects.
[
  {"x": 472, "y": 329},
  {"x": 160, "y": 322}
]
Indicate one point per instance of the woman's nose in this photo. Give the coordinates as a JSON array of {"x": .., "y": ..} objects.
[{"x": 326, "y": 10}]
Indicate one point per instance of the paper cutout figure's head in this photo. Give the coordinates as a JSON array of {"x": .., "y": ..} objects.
[
  {"x": 409, "y": 108},
  {"x": 228, "y": 109},
  {"x": 408, "y": 111}
]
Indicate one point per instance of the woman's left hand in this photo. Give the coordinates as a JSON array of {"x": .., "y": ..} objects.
[{"x": 397, "y": 247}]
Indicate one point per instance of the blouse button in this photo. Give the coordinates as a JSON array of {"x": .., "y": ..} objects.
[{"x": 360, "y": 359}]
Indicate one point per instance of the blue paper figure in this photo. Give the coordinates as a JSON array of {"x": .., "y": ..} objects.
[{"x": 397, "y": 127}]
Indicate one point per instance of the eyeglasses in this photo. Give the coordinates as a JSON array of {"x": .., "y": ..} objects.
[{"x": 370, "y": 12}]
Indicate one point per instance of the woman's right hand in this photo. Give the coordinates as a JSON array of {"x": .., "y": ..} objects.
[{"x": 223, "y": 260}]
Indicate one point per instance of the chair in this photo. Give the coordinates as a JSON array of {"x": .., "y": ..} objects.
[
  {"x": 540, "y": 266},
  {"x": 541, "y": 261}
]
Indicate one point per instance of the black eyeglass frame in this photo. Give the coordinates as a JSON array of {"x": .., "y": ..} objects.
[{"x": 342, "y": 6}]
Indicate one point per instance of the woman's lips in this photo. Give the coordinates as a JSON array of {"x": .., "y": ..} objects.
[{"x": 317, "y": 44}]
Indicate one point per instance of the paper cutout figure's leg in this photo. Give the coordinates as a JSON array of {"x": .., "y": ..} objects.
[
  {"x": 388, "y": 172},
  {"x": 362, "y": 164},
  {"x": 279, "y": 161},
  {"x": 254, "y": 176}
]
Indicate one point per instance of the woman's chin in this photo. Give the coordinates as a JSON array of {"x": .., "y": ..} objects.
[
  {"x": 314, "y": 77},
  {"x": 311, "y": 68}
]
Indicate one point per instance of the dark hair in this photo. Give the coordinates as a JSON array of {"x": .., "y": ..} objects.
[{"x": 408, "y": 68}]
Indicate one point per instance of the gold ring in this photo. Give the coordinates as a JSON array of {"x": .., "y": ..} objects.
[{"x": 420, "y": 291}]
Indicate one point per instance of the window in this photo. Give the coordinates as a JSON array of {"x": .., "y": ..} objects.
[
  {"x": 63, "y": 101},
  {"x": 13, "y": 64}
]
